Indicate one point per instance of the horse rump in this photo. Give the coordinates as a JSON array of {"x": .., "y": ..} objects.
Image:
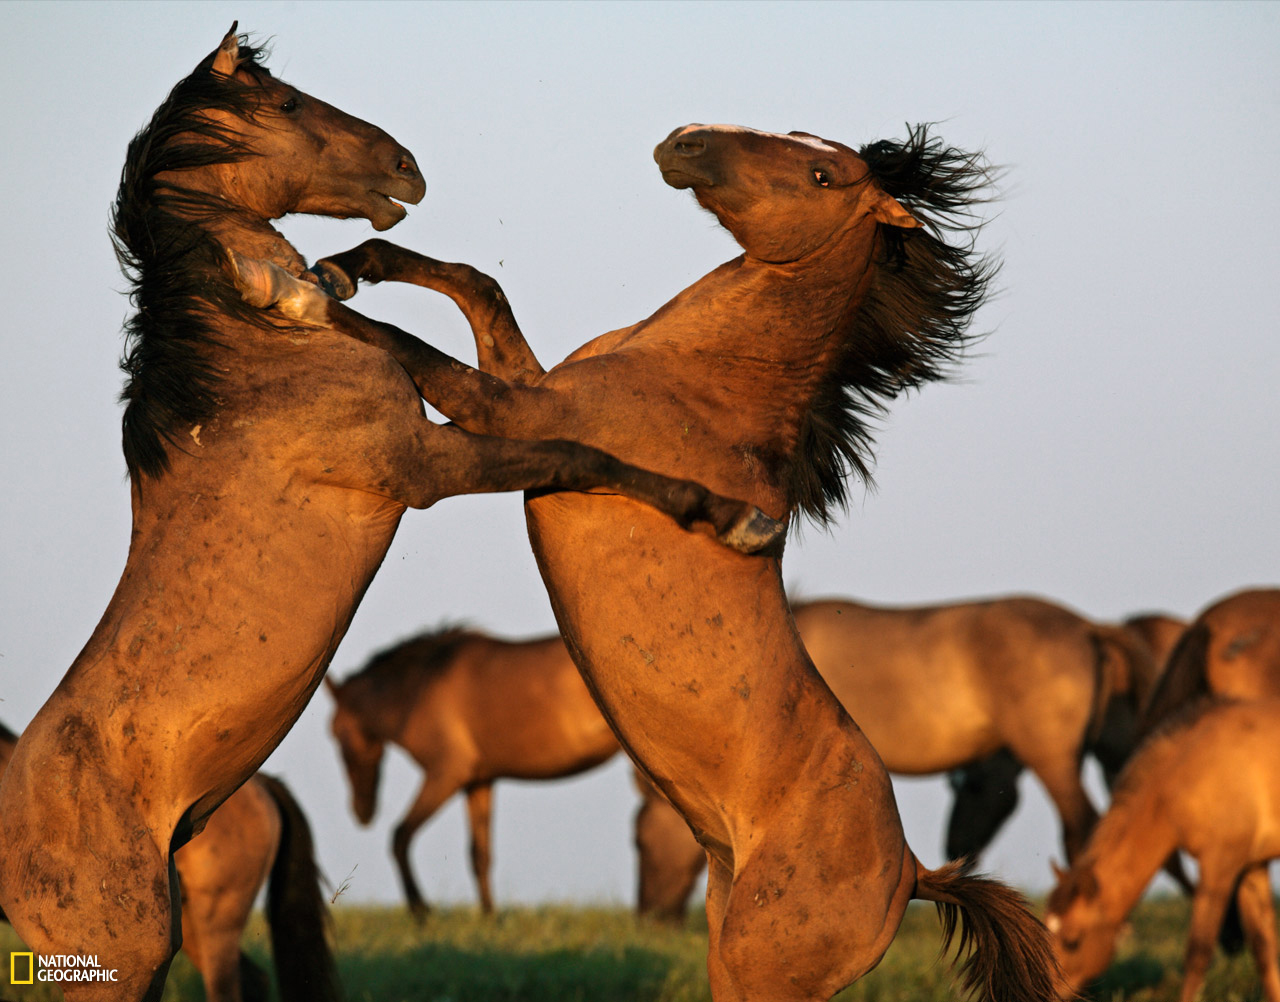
[
  {"x": 296, "y": 910},
  {"x": 1004, "y": 950}
]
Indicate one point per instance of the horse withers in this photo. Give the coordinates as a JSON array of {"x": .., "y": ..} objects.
[
  {"x": 858, "y": 280},
  {"x": 269, "y": 468},
  {"x": 1206, "y": 782}
]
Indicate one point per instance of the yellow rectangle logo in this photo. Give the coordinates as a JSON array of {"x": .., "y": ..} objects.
[{"x": 30, "y": 968}]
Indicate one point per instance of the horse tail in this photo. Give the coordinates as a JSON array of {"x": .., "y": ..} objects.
[
  {"x": 1123, "y": 666},
  {"x": 296, "y": 911},
  {"x": 1004, "y": 950},
  {"x": 1184, "y": 678}
]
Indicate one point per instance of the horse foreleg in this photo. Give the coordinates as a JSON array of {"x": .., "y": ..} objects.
[
  {"x": 438, "y": 788},
  {"x": 480, "y": 819},
  {"x": 1258, "y": 914},
  {"x": 670, "y": 859},
  {"x": 500, "y": 346},
  {"x": 1207, "y": 909},
  {"x": 1061, "y": 780}
]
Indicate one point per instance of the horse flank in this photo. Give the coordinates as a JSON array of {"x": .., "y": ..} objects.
[{"x": 913, "y": 324}]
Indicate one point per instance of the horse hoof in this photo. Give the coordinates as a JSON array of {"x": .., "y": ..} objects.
[
  {"x": 754, "y": 532},
  {"x": 333, "y": 280}
]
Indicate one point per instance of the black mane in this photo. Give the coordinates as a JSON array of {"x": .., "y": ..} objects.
[
  {"x": 913, "y": 324},
  {"x": 172, "y": 264},
  {"x": 419, "y": 656}
]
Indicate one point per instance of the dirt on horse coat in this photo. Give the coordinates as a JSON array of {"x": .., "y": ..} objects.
[
  {"x": 470, "y": 709},
  {"x": 1206, "y": 782},
  {"x": 269, "y": 469},
  {"x": 757, "y": 379},
  {"x": 258, "y": 836}
]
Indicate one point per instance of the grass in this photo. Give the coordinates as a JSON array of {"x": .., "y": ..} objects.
[{"x": 582, "y": 954}]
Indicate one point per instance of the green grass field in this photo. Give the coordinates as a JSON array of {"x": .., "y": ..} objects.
[{"x": 570, "y": 954}]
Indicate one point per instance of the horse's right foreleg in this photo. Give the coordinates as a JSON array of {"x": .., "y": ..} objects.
[
  {"x": 480, "y": 820},
  {"x": 1258, "y": 915},
  {"x": 438, "y": 788},
  {"x": 500, "y": 345},
  {"x": 1207, "y": 910}
]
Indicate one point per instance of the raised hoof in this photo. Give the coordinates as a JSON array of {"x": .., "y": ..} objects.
[
  {"x": 333, "y": 280},
  {"x": 753, "y": 532}
]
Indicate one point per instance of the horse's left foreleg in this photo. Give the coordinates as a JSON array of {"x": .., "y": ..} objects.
[
  {"x": 1217, "y": 881},
  {"x": 480, "y": 820},
  {"x": 500, "y": 346}
]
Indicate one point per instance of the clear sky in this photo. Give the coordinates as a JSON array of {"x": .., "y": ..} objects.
[{"x": 1110, "y": 445}]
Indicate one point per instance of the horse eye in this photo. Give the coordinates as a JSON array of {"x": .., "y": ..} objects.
[
  {"x": 290, "y": 106},
  {"x": 821, "y": 177}
]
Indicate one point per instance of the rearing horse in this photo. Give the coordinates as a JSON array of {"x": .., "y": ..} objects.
[
  {"x": 757, "y": 380},
  {"x": 269, "y": 469}
]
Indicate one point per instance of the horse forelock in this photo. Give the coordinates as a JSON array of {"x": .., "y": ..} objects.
[
  {"x": 913, "y": 325},
  {"x": 169, "y": 259}
]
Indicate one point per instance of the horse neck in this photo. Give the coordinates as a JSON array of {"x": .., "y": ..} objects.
[{"x": 1128, "y": 847}]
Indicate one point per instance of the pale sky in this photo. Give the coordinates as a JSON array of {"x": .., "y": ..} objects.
[{"x": 1111, "y": 445}]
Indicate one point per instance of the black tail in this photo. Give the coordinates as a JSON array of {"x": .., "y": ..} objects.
[
  {"x": 1006, "y": 952},
  {"x": 1183, "y": 679},
  {"x": 296, "y": 911}
]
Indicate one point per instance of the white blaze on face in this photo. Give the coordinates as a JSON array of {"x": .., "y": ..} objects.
[
  {"x": 1053, "y": 923},
  {"x": 813, "y": 142}
]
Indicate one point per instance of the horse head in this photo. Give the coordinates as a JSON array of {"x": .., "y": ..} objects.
[
  {"x": 1082, "y": 931},
  {"x": 781, "y": 196},
  {"x": 361, "y": 753},
  {"x": 322, "y": 160}
]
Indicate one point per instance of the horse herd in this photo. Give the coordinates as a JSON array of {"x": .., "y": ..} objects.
[{"x": 274, "y": 438}]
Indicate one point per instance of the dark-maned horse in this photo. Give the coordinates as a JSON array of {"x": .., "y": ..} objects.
[
  {"x": 858, "y": 281},
  {"x": 1027, "y": 683},
  {"x": 1207, "y": 782},
  {"x": 1231, "y": 649},
  {"x": 269, "y": 469},
  {"x": 470, "y": 709},
  {"x": 258, "y": 835}
]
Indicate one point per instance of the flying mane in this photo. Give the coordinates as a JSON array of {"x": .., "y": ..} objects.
[
  {"x": 912, "y": 326},
  {"x": 172, "y": 263}
]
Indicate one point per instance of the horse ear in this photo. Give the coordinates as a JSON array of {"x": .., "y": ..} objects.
[
  {"x": 227, "y": 58},
  {"x": 332, "y": 687},
  {"x": 1058, "y": 872},
  {"x": 888, "y": 210}
]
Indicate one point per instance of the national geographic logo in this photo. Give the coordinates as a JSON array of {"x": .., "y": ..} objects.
[{"x": 30, "y": 968}]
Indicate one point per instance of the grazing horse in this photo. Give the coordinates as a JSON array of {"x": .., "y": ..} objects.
[
  {"x": 1231, "y": 649},
  {"x": 469, "y": 709},
  {"x": 1207, "y": 782},
  {"x": 258, "y": 835},
  {"x": 858, "y": 280},
  {"x": 269, "y": 468},
  {"x": 1028, "y": 683}
]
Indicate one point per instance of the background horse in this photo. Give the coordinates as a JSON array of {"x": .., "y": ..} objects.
[
  {"x": 1231, "y": 649},
  {"x": 258, "y": 836},
  {"x": 1208, "y": 783},
  {"x": 269, "y": 468},
  {"x": 858, "y": 281},
  {"x": 1025, "y": 682},
  {"x": 469, "y": 709}
]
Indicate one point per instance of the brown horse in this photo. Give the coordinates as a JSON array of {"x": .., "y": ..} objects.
[
  {"x": 1231, "y": 649},
  {"x": 470, "y": 709},
  {"x": 258, "y": 836},
  {"x": 858, "y": 281},
  {"x": 269, "y": 469},
  {"x": 1208, "y": 783},
  {"x": 1027, "y": 683}
]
